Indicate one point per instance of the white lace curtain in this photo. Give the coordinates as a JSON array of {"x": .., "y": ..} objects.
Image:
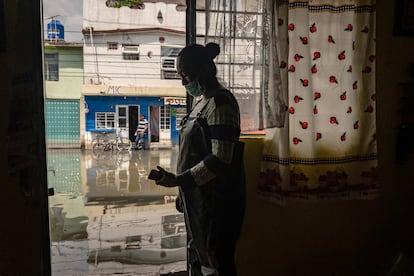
[{"x": 237, "y": 27}]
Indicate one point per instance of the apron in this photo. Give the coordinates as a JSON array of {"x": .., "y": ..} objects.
[{"x": 214, "y": 211}]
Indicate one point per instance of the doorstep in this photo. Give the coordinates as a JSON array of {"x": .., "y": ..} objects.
[{"x": 161, "y": 146}]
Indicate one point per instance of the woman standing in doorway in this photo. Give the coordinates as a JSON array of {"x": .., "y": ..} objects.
[{"x": 210, "y": 166}]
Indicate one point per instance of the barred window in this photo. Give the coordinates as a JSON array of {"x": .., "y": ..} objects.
[
  {"x": 112, "y": 45},
  {"x": 165, "y": 117},
  {"x": 240, "y": 30},
  {"x": 130, "y": 52},
  {"x": 168, "y": 62},
  {"x": 105, "y": 120},
  {"x": 51, "y": 67}
]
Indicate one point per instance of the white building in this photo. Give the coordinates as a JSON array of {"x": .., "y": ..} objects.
[{"x": 129, "y": 69}]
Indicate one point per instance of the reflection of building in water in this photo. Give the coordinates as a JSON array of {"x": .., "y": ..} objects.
[
  {"x": 124, "y": 176},
  {"x": 133, "y": 173},
  {"x": 68, "y": 220},
  {"x": 105, "y": 204},
  {"x": 67, "y": 216},
  {"x": 152, "y": 235},
  {"x": 173, "y": 233},
  {"x": 170, "y": 199},
  {"x": 165, "y": 160}
]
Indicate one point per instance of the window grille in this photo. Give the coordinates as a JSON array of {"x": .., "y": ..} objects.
[
  {"x": 130, "y": 52},
  {"x": 105, "y": 120},
  {"x": 169, "y": 62},
  {"x": 237, "y": 26},
  {"x": 112, "y": 46},
  {"x": 51, "y": 67},
  {"x": 165, "y": 117}
]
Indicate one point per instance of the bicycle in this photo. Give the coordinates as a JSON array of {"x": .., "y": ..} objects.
[{"x": 104, "y": 142}]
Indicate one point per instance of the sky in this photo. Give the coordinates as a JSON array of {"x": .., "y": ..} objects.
[{"x": 69, "y": 13}]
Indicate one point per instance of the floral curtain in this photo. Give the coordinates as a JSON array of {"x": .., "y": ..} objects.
[{"x": 320, "y": 101}]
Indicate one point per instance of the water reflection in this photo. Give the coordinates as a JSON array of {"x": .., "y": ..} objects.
[
  {"x": 106, "y": 217},
  {"x": 121, "y": 176}
]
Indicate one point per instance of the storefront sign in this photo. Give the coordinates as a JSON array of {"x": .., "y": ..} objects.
[{"x": 174, "y": 101}]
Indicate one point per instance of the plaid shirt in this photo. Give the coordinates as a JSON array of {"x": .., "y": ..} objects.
[{"x": 223, "y": 118}]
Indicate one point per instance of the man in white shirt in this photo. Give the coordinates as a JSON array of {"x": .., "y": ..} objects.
[{"x": 140, "y": 133}]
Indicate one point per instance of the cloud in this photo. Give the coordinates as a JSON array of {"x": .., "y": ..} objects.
[{"x": 69, "y": 13}]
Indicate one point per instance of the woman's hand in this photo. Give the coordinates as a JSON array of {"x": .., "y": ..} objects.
[{"x": 168, "y": 179}]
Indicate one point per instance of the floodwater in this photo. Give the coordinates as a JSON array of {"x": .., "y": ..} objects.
[{"x": 107, "y": 218}]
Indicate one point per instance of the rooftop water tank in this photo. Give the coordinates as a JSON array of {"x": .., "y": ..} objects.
[{"x": 55, "y": 30}]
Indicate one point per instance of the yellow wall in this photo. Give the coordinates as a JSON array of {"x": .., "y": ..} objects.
[
  {"x": 70, "y": 73},
  {"x": 320, "y": 238}
]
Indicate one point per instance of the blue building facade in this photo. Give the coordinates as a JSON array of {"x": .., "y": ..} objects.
[{"x": 110, "y": 114}]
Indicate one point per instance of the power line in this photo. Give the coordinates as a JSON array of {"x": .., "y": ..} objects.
[{"x": 51, "y": 17}]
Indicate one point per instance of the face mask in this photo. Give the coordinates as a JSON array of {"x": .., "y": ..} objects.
[{"x": 194, "y": 88}]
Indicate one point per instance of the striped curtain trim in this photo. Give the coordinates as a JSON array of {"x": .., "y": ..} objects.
[
  {"x": 332, "y": 9},
  {"x": 318, "y": 161}
]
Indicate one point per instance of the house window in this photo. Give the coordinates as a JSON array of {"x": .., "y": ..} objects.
[
  {"x": 165, "y": 117},
  {"x": 130, "y": 52},
  {"x": 105, "y": 120},
  {"x": 112, "y": 45},
  {"x": 168, "y": 62},
  {"x": 51, "y": 67},
  {"x": 239, "y": 31}
]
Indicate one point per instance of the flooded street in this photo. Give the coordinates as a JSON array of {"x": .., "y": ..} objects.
[{"x": 107, "y": 218}]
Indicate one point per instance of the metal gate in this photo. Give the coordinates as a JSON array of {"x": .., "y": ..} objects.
[{"x": 62, "y": 123}]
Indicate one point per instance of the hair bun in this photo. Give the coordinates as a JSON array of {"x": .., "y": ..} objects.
[{"x": 213, "y": 49}]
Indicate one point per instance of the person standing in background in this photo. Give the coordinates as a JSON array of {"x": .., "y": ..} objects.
[{"x": 140, "y": 133}]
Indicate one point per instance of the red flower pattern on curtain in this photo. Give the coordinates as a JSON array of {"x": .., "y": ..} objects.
[{"x": 322, "y": 63}]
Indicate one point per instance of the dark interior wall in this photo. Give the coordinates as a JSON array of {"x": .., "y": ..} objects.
[
  {"x": 324, "y": 238},
  {"x": 306, "y": 238},
  {"x": 394, "y": 55},
  {"x": 24, "y": 236}
]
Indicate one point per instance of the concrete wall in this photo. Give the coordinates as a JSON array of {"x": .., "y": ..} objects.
[
  {"x": 97, "y": 15},
  {"x": 130, "y": 26},
  {"x": 126, "y": 18},
  {"x": 114, "y": 70}
]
